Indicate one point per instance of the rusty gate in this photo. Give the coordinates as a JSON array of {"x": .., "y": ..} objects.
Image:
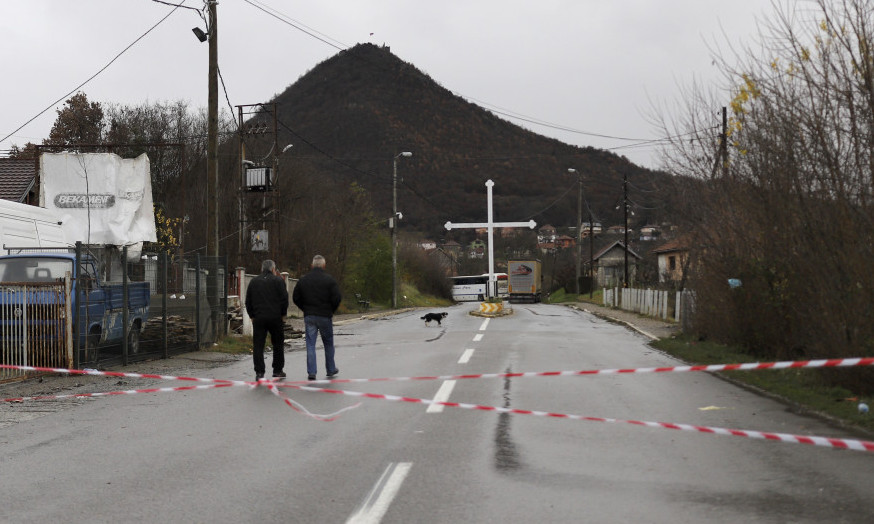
[{"x": 36, "y": 326}]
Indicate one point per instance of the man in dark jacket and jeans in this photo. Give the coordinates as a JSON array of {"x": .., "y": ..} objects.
[
  {"x": 267, "y": 305},
  {"x": 318, "y": 296}
]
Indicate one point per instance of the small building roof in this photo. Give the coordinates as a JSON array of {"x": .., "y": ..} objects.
[
  {"x": 610, "y": 246},
  {"x": 672, "y": 246},
  {"x": 17, "y": 177}
]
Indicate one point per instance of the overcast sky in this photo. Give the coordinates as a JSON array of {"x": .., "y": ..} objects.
[{"x": 594, "y": 66}]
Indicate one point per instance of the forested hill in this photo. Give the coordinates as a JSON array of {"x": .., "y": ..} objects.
[{"x": 351, "y": 114}]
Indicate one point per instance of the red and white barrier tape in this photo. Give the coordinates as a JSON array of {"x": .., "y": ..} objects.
[
  {"x": 837, "y": 443},
  {"x": 790, "y": 364},
  {"x": 222, "y": 384},
  {"x": 753, "y": 366},
  {"x": 302, "y": 410},
  {"x": 116, "y": 393},
  {"x": 94, "y": 372}
]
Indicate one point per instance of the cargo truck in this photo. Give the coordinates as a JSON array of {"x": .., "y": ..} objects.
[
  {"x": 524, "y": 281},
  {"x": 100, "y": 306}
]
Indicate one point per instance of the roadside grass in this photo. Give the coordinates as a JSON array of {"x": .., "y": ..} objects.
[
  {"x": 234, "y": 344},
  {"x": 804, "y": 389},
  {"x": 562, "y": 296},
  {"x": 410, "y": 296}
]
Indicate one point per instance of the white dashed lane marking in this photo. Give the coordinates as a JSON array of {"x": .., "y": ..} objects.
[
  {"x": 377, "y": 502},
  {"x": 441, "y": 396},
  {"x": 465, "y": 357}
]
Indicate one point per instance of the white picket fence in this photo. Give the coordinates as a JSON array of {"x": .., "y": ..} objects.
[{"x": 650, "y": 302}]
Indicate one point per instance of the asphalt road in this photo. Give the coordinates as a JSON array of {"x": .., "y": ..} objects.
[{"x": 242, "y": 455}]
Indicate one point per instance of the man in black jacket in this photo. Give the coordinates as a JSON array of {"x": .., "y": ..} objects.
[
  {"x": 267, "y": 305},
  {"x": 318, "y": 296}
]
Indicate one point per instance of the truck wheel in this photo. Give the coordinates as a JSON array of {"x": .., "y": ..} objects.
[{"x": 133, "y": 340}]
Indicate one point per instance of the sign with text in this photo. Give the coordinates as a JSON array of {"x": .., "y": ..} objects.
[{"x": 100, "y": 198}]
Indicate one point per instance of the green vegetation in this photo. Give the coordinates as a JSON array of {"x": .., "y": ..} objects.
[
  {"x": 807, "y": 389},
  {"x": 234, "y": 344},
  {"x": 561, "y": 296},
  {"x": 410, "y": 296}
]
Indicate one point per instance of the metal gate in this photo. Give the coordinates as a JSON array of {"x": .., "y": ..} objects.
[{"x": 36, "y": 326}]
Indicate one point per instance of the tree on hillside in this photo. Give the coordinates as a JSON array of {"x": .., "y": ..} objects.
[{"x": 784, "y": 202}]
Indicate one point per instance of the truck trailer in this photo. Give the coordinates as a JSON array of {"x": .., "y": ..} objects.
[{"x": 525, "y": 281}]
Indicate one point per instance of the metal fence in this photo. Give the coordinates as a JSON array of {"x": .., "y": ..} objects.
[
  {"x": 188, "y": 309},
  {"x": 35, "y": 326}
]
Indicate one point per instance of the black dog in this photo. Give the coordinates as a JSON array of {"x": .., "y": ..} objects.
[{"x": 434, "y": 316}]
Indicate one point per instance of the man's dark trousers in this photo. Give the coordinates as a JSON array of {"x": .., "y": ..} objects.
[{"x": 260, "y": 328}]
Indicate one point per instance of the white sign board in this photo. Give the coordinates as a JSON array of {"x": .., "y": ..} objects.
[
  {"x": 101, "y": 198},
  {"x": 260, "y": 240}
]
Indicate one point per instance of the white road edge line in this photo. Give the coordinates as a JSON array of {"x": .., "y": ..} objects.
[
  {"x": 441, "y": 396},
  {"x": 465, "y": 357},
  {"x": 380, "y": 497},
  {"x": 484, "y": 325},
  {"x": 477, "y": 337}
]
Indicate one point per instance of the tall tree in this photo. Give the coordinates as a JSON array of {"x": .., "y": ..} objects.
[{"x": 79, "y": 122}]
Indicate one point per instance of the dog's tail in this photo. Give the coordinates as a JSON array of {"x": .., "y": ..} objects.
[{"x": 423, "y": 318}]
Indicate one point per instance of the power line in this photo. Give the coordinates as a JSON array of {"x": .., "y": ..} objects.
[
  {"x": 225, "y": 89},
  {"x": 297, "y": 25},
  {"x": 92, "y": 77}
]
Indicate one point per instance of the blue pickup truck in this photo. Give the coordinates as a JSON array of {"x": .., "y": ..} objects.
[{"x": 99, "y": 304}]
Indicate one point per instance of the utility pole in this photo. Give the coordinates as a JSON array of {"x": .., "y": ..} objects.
[
  {"x": 625, "y": 205},
  {"x": 591, "y": 252},
  {"x": 579, "y": 224},
  {"x": 395, "y": 216},
  {"x": 579, "y": 227},
  {"x": 258, "y": 179},
  {"x": 722, "y": 155},
  {"x": 723, "y": 146},
  {"x": 212, "y": 235}
]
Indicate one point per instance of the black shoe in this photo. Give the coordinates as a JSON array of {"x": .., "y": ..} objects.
[
  {"x": 258, "y": 376},
  {"x": 311, "y": 377},
  {"x": 333, "y": 373},
  {"x": 278, "y": 374}
]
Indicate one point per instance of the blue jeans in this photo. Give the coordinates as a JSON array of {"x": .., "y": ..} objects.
[{"x": 319, "y": 325}]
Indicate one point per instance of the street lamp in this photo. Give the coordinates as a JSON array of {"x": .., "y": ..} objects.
[
  {"x": 395, "y": 216},
  {"x": 579, "y": 223}
]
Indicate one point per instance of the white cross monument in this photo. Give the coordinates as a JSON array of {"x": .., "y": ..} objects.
[{"x": 491, "y": 227}]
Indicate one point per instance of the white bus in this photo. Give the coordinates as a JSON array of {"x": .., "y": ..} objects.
[{"x": 475, "y": 287}]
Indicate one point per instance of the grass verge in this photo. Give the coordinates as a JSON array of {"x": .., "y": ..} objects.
[
  {"x": 234, "y": 344},
  {"x": 562, "y": 296},
  {"x": 804, "y": 389}
]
